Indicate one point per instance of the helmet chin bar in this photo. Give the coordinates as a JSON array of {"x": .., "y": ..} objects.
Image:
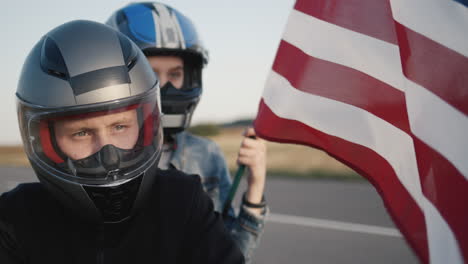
[
  {"x": 109, "y": 161},
  {"x": 173, "y": 124},
  {"x": 178, "y": 106},
  {"x": 175, "y": 121}
]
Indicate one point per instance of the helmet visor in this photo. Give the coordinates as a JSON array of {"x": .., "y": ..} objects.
[{"x": 98, "y": 144}]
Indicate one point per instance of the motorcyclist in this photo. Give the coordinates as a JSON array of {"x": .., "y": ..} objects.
[{"x": 89, "y": 116}]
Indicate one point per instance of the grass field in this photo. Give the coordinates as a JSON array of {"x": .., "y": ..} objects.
[
  {"x": 285, "y": 160},
  {"x": 13, "y": 156}
]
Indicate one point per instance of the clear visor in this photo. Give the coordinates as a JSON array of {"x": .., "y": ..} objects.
[{"x": 98, "y": 145}]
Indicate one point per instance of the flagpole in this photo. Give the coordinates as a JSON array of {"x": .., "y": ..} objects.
[{"x": 233, "y": 190}]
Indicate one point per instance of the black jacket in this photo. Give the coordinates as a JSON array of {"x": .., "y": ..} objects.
[{"x": 178, "y": 225}]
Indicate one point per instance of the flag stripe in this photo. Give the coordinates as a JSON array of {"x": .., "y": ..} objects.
[
  {"x": 341, "y": 83},
  {"x": 357, "y": 126},
  {"x": 443, "y": 247},
  {"x": 433, "y": 53},
  {"x": 349, "y": 123},
  {"x": 354, "y": 15},
  {"x": 446, "y": 188},
  {"x": 329, "y": 42},
  {"x": 437, "y": 68},
  {"x": 444, "y": 21},
  {"x": 439, "y": 125},
  {"x": 403, "y": 209}
]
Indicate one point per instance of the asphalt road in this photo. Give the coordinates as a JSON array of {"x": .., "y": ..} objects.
[
  {"x": 312, "y": 222},
  {"x": 329, "y": 222}
]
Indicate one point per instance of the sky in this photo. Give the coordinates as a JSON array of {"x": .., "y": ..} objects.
[{"x": 241, "y": 36}]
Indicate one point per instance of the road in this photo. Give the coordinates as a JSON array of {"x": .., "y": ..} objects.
[
  {"x": 312, "y": 221},
  {"x": 329, "y": 222}
]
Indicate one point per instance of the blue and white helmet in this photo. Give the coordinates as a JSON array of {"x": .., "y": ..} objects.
[{"x": 161, "y": 30}]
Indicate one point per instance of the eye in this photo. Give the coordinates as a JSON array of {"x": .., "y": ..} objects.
[
  {"x": 81, "y": 133},
  {"x": 175, "y": 75},
  {"x": 119, "y": 127}
]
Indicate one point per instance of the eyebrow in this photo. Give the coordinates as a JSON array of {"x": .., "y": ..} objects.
[
  {"x": 176, "y": 68},
  {"x": 124, "y": 120},
  {"x": 72, "y": 128}
]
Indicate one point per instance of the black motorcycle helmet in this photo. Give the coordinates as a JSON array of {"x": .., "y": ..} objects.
[
  {"x": 160, "y": 30},
  {"x": 82, "y": 70}
]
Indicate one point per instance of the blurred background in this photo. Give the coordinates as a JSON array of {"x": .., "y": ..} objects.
[{"x": 241, "y": 37}]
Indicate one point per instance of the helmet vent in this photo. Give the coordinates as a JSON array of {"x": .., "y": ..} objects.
[
  {"x": 52, "y": 61},
  {"x": 129, "y": 51},
  {"x": 115, "y": 203},
  {"x": 60, "y": 75},
  {"x": 132, "y": 63}
]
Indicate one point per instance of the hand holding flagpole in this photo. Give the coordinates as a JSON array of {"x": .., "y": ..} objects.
[{"x": 252, "y": 154}]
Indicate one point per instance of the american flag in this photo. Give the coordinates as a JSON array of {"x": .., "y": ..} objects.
[{"x": 382, "y": 85}]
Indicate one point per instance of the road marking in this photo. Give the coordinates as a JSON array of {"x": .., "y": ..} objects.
[{"x": 330, "y": 224}]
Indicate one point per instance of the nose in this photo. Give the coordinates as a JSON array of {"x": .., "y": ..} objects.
[
  {"x": 162, "y": 80},
  {"x": 102, "y": 139},
  {"x": 162, "y": 76}
]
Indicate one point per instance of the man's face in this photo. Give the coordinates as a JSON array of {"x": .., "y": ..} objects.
[
  {"x": 81, "y": 137},
  {"x": 168, "y": 69}
]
